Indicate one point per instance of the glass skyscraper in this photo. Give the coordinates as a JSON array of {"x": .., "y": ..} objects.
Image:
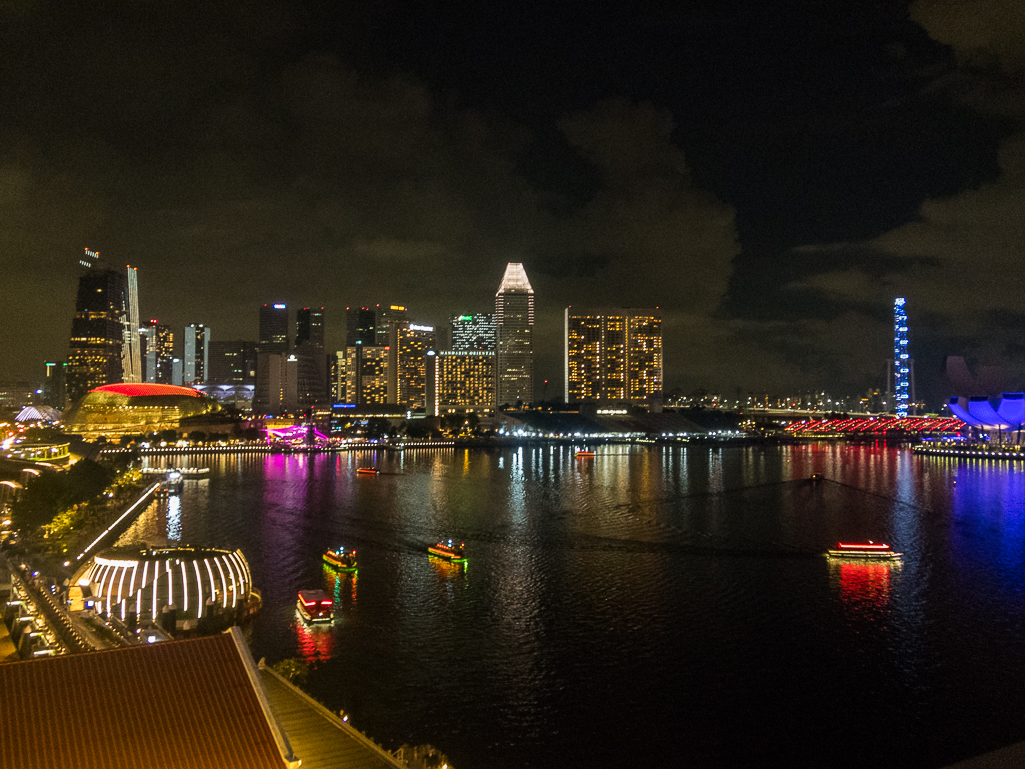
[
  {"x": 514, "y": 322},
  {"x": 96, "y": 354}
]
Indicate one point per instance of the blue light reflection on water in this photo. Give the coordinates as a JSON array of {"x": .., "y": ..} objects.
[{"x": 651, "y": 602}]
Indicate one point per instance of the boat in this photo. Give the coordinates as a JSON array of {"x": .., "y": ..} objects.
[
  {"x": 314, "y": 605},
  {"x": 584, "y": 454},
  {"x": 367, "y": 471},
  {"x": 448, "y": 551},
  {"x": 864, "y": 550},
  {"x": 341, "y": 559}
]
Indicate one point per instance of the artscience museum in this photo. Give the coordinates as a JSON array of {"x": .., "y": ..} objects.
[{"x": 1003, "y": 413}]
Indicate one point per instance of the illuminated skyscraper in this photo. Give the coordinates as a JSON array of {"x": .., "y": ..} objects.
[
  {"x": 196, "y": 361},
  {"x": 613, "y": 355},
  {"x": 460, "y": 380},
  {"x": 407, "y": 384},
  {"x": 387, "y": 317},
  {"x": 473, "y": 332},
  {"x": 514, "y": 321},
  {"x": 165, "y": 353},
  {"x": 148, "y": 351},
  {"x": 132, "y": 359},
  {"x": 366, "y": 375},
  {"x": 274, "y": 337},
  {"x": 96, "y": 353},
  {"x": 232, "y": 363},
  {"x": 55, "y": 386},
  {"x": 901, "y": 362}
]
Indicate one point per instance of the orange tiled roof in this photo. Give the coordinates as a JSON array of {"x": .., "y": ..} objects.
[{"x": 176, "y": 704}]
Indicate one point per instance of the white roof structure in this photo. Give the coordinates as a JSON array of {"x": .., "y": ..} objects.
[
  {"x": 515, "y": 279},
  {"x": 38, "y": 414}
]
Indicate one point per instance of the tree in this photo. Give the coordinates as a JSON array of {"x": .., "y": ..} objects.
[
  {"x": 296, "y": 671},
  {"x": 376, "y": 428}
]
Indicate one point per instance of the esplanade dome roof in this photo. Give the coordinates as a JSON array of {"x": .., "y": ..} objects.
[{"x": 135, "y": 407}]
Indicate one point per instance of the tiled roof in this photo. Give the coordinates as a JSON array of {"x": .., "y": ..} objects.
[{"x": 188, "y": 704}]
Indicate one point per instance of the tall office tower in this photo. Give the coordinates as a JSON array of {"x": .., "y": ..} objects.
[
  {"x": 148, "y": 351},
  {"x": 407, "y": 385},
  {"x": 473, "y": 332},
  {"x": 176, "y": 371},
  {"x": 165, "y": 354},
  {"x": 613, "y": 355},
  {"x": 197, "y": 354},
  {"x": 360, "y": 324},
  {"x": 901, "y": 363},
  {"x": 366, "y": 375},
  {"x": 274, "y": 336},
  {"x": 55, "y": 385},
  {"x": 232, "y": 363},
  {"x": 276, "y": 390},
  {"x": 514, "y": 323},
  {"x": 387, "y": 317},
  {"x": 309, "y": 349},
  {"x": 460, "y": 380},
  {"x": 132, "y": 361},
  {"x": 96, "y": 350}
]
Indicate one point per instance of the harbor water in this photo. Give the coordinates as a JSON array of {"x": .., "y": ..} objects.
[{"x": 648, "y": 606}]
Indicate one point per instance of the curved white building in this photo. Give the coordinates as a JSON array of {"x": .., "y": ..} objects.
[{"x": 126, "y": 580}]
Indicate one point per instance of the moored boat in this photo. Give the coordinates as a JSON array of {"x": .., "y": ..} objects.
[
  {"x": 864, "y": 550},
  {"x": 341, "y": 559},
  {"x": 447, "y": 550},
  {"x": 314, "y": 605}
]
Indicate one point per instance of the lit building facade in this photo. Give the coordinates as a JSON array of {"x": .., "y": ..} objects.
[
  {"x": 613, "y": 355},
  {"x": 312, "y": 361},
  {"x": 460, "y": 380},
  {"x": 232, "y": 363},
  {"x": 367, "y": 375},
  {"x": 274, "y": 336},
  {"x": 277, "y": 384},
  {"x": 131, "y": 352},
  {"x": 901, "y": 358},
  {"x": 196, "y": 360},
  {"x": 96, "y": 349},
  {"x": 387, "y": 317},
  {"x": 408, "y": 371},
  {"x": 514, "y": 324},
  {"x": 473, "y": 332},
  {"x": 157, "y": 346},
  {"x": 132, "y": 409}
]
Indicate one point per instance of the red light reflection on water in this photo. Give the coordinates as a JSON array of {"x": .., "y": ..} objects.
[
  {"x": 865, "y": 587},
  {"x": 315, "y": 643}
]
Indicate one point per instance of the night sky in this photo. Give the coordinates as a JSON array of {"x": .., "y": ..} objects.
[{"x": 770, "y": 174}]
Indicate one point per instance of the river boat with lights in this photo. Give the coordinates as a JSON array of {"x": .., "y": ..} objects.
[
  {"x": 314, "y": 605},
  {"x": 584, "y": 454},
  {"x": 367, "y": 471},
  {"x": 870, "y": 550},
  {"x": 341, "y": 559},
  {"x": 448, "y": 550}
]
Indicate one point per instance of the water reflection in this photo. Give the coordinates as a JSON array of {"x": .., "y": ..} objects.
[
  {"x": 864, "y": 588},
  {"x": 314, "y": 643}
]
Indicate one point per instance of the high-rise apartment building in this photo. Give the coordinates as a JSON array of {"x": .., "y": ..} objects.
[
  {"x": 366, "y": 375},
  {"x": 460, "y": 380},
  {"x": 165, "y": 353},
  {"x": 96, "y": 350},
  {"x": 274, "y": 336},
  {"x": 276, "y": 390},
  {"x": 407, "y": 385},
  {"x": 514, "y": 322},
  {"x": 613, "y": 355},
  {"x": 473, "y": 332}
]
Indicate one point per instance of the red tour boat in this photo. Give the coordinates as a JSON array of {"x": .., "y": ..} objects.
[
  {"x": 315, "y": 605},
  {"x": 448, "y": 551},
  {"x": 863, "y": 550}
]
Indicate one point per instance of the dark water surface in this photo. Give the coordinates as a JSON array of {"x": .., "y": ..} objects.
[{"x": 667, "y": 606}]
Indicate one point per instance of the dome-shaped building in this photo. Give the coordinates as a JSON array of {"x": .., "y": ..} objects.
[
  {"x": 130, "y": 409},
  {"x": 1004, "y": 413},
  {"x": 195, "y": 581}
]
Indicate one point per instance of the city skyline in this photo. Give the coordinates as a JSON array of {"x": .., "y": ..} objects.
[{"x": 770, "y": 177}]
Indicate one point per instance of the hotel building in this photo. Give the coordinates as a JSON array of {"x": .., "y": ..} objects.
[
  {"x": 460, "y": 380},
  {"x": 613, "y": 355}
]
